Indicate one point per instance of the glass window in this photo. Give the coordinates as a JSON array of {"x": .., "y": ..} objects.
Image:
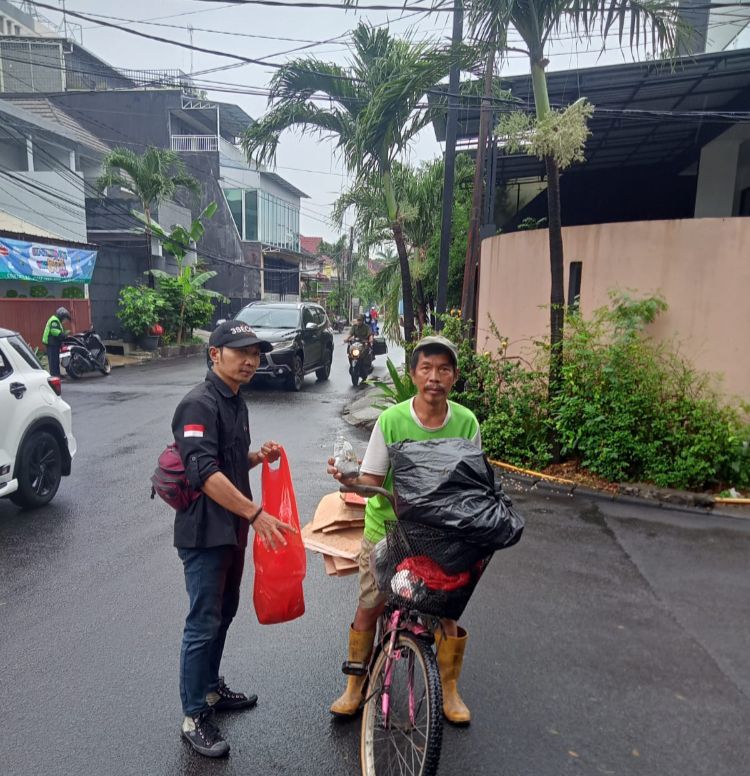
[
  {"x": 307, "y": 316},
  {"x": 20, "y": 346},
  {"x": 251, "y": 215},
  {"x": 5, "y": 368},
  {"x": 268, "y": 317},
  {"x": 234, "y": 200}
]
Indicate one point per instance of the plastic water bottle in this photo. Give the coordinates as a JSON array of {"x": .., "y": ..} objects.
[{"x": 344, "y": 458}]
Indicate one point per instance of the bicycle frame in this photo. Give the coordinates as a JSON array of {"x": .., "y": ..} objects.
[{"x": 397, "y": 621}]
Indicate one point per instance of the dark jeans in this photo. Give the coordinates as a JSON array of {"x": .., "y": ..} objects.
[
  {"x": 212, "y": 581},
  {"x": 53, "y": 359}
]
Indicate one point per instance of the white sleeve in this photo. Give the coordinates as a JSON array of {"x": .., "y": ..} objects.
[
  {"x": 376, "y": 460},
  {"x": 477, "y": 438}
]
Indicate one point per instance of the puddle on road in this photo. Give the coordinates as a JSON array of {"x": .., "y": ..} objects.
[
  {"x": 593, "y": 516},
  {"x": 120, "y": 396}
]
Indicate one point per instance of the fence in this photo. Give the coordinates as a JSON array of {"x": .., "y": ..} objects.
[
  {"x": 195, "y": 143},
  {"x": 29, "y": 316}
]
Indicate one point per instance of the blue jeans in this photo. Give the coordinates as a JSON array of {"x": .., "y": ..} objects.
[{"x": 212, "y": 581}]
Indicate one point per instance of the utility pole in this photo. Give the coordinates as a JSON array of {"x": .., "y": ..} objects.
[
  {"x": 468, "y": 297},
  {"x": 451, "y": 126}
]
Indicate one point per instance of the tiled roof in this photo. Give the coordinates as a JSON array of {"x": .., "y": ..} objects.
[
  {"x": 310, "y": 244},
  {"x": 44, "y": 109}
]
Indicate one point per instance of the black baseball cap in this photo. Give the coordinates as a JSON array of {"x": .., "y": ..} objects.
[{"x": 235, "y": 334}]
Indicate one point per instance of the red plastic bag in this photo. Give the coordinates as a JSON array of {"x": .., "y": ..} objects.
[
  {"x": 277, "y": 592},
  {"x": 434, "y": 576}
]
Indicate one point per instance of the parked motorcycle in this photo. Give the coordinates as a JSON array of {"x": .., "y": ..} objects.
[
  {"x": 338, "y": 324},
  {"x": 84, "y": 352},
  {"x": 360, "y": 361}
]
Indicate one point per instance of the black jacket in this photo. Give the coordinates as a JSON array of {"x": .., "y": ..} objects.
[{"x": 211, "y": 429}]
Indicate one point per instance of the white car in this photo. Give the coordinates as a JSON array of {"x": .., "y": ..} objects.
[{"x": 36, "y": 435}]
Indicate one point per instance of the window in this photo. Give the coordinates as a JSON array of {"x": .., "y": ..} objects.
[
  {"x": 307, "y": 317},
  {"x": 234, "y": 200},
  {"x": 251, "y": 215},
  {"x": 20, "y": 346},
  {"x": 5, "y": 368},
  {"x": 267, "y": 317},
  {"x": 574, "y": 285}
]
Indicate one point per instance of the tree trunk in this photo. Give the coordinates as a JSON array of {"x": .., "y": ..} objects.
[
  {"x": 556, "y": 258},
  {"x": 403, "y": 256},
  {"x": 421, "y": 305},
  {"x": 403, "y": 261},
  {"x": 473, "y": 246},
  {"x": 557, "y": 276}
]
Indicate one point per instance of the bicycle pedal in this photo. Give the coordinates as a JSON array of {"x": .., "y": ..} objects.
[{"x": 353, "y": 669}]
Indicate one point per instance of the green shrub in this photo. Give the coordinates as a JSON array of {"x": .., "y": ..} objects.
[
  {"x": 72, "y": 292},
  {"x": 38, "y": 291},
  {"x": 198, "y": 309},
  {"x": 631, "y": 409},
  {"x": 11, "y": 293},
  {"x": 508, "y": 400},
  {"x": 140, "y": 308}
]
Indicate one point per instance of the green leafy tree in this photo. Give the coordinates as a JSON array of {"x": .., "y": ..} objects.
[
  {"x": 641, "y": 22},
  {"x": 420, "y": 193},
  {"x": 374, "y": 111},
  {"x": 152, "y": 177},
  {"x": 185, "y": 293}
]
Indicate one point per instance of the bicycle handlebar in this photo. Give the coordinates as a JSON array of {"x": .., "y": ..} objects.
[{"x": 369, "y": 490}]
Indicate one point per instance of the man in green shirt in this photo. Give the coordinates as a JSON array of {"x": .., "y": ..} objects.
[
  {"x": 52, "y": 338},
  {"x": 429, "y": 415}
]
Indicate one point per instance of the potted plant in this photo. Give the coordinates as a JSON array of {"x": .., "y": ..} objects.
[{"x": 139, "y": 311}]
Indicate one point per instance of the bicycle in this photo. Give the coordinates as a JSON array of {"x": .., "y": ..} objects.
[{"x": 402, "y": 714}]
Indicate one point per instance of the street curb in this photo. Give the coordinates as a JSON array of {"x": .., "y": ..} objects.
[{"x": 539, "y": 483}]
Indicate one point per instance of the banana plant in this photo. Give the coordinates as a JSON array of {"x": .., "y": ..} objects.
[{"x": 190, "y": 281}]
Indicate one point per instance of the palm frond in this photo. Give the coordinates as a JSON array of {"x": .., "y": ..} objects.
[{"x": 261, "y": 139}]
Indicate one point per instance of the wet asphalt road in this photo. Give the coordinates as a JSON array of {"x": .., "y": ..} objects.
[{"x": 611, "y": 640}]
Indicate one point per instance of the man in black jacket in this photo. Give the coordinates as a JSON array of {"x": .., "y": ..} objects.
[{"x": 211, "y": 429}]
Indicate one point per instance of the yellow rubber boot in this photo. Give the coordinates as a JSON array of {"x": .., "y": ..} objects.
[
  {"x": 450, "y": 658},
  {"x": 360, "y": 649}
]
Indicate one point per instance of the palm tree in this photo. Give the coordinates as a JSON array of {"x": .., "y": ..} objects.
[
  {"x": 650, "y": 21},
  {"x": 419, "y": 193},
  {"x": 374, "y": 112},
  {"x": 152, "y": 177}
]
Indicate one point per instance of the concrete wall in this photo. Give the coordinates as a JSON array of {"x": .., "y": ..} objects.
[
  {"x": 699, "y": 266},
  {"x": 722, "y": 174},
  {"x": 49, "y": 200}
]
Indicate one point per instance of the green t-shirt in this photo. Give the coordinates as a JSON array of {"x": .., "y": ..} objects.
[{"x": 397, "y": 424}]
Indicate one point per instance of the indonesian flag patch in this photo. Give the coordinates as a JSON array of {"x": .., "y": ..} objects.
[{"x": 193, "y": 431}]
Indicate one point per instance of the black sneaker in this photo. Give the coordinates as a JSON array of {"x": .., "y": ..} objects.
[
  {"x": 226, "y": 700},
  {"x": 201, "y": 733}
]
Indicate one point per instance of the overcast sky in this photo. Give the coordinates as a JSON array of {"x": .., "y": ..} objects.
[{"x": 266, "y": 32}]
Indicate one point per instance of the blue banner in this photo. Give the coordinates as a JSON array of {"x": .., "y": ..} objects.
[{"x": 44, "y": 262}]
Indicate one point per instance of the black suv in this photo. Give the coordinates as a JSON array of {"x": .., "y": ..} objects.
[{"x": 301, "y": 335}]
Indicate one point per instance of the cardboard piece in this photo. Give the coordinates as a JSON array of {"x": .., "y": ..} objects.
[
  {"x": 336, "y": 533},
  {"x": 333, "y": 510},
  {"x": 354, "y": 499}
]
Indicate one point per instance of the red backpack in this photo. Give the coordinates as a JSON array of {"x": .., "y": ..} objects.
[{"x": 170, "y": 482}]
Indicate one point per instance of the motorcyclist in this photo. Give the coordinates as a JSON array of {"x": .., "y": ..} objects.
[{"x": 363, "y": 333}]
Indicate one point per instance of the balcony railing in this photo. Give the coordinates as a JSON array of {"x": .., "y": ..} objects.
[{"x": 195, "y": 143}]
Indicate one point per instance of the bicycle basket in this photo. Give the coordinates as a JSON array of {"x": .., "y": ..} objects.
[{"x": 407, "y": 566}]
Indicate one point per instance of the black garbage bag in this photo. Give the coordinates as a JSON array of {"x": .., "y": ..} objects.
[{"x": 450, "y": 485}]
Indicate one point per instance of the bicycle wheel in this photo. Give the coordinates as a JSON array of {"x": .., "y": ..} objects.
[{"x": 404, "y": 738}]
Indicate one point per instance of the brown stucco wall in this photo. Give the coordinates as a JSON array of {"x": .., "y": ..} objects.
[{"x": 700, "y": 266}]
